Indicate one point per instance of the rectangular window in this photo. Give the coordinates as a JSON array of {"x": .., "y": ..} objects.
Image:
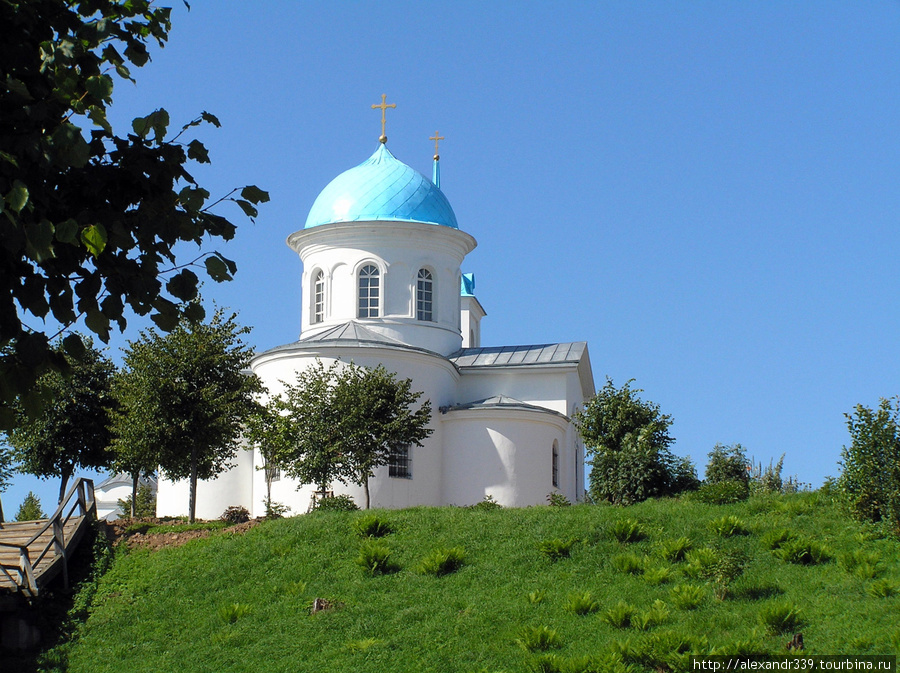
[
  {"x": 319, "y": 307},
  {"x": 425, "y": 296},
  {"x": 369, "y": 285},
  {"x": 400, "y": 462}
]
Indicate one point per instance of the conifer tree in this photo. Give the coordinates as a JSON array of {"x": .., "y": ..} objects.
[{"x": 30, "y": 509}]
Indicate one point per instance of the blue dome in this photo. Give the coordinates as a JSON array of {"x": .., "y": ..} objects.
[{"x": 381, "y": 188}]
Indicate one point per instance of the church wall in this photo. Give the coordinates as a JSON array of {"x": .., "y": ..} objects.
[
  {"x": 544, "y": 387},
  {"x": 506, "y": 454},
  {"x": 231, "y": 488},
  {"x": 433, "y": 376}
]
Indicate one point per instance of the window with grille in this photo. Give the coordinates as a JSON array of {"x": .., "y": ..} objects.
[
  {"x": 400, "y": 462},
  {"x": 319, "y": 297},
  {"x": 425, "y": 296},
  {"x": 369, "y": 286}
]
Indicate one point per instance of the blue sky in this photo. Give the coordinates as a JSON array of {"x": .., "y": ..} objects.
[{"x": 706, "y": 192}]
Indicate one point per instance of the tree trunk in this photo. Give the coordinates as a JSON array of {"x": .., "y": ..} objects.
[
  {"x": 134, "y": 489},
  {"x": 366, "y": 486},
  {"x": 192, "y": 498},
  {"x": 66, "y": 473}
]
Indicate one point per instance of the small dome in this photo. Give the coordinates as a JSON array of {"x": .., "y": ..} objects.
[{"x": 381, "y": 188}]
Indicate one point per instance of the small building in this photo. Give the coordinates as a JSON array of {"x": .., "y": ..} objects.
[{"x": 118, "y": 487}]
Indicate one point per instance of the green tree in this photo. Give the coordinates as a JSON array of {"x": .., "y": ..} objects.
[
  {"x": 184, "y": 398},
  {"x": 268, "y": 431},
  {"x": 728, "y": 463},
  {"x": 343, "y": 421},
  {"x": 628, "y": 442},
  {"x": 871, "y": 464},
  {"x": 90, "y": 220},
  {"x": 72, "y": 431},
  {"x": 30, "y": 509},
  {"x": 376, "y": 415},
  {"x": 7, "y": 467},
  {"x": 143, "y": 505}
]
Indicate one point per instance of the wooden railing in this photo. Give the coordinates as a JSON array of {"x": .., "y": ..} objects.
[{"x": 24, "y": 575}]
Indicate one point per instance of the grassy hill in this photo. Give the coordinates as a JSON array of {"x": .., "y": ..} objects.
[{"x": 242, "y": 602}]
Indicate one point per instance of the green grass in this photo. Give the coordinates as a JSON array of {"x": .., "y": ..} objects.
[{"x": 177, "y": 609}]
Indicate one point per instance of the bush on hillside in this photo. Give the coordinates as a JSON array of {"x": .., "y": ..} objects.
[
  {"x": 727, "y": 463},
  {"x": 871, "y": 464},
  {"x": 628, "y": 442},
  {"x": 235, "y": 515},
  {"x": 721, "y": 493},
  {"x": 336, "y": 503}
]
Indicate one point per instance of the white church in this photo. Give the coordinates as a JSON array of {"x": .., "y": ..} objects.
[{"x": 382, "y": 283}]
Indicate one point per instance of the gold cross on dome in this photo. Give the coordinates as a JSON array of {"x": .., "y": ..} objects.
[
  {"x": 436, "y": 138},
  {"x": 384, "y": 106}
]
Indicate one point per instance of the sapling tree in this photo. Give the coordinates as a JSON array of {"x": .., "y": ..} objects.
[
  {"x": 72, "y": 429},
  {"x": 628, "y": 442},
  {"x": 871, "y": 464},
  {"x": 189, "y": 396}
]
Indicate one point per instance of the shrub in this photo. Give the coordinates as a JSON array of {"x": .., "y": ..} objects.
[
  {"x": 872, "y": 462},
  {"x": 728, "y": 526},
  {"x": 488, "y": 504},
  {"x": 235, "y": 515},
  {"x": 687, "y": 596},
  {"x": 275, "y": 510},
  {"x": 780, "y": 617},
  {"x": 700, "y": 562},
  {"x": 443, "y": 562},
  {"x": 657, "y": 574},
  {"x": 620, "y": 615},
  {"x": 581, "y": 603},
  {"x": 558, "y": 500},
  {"x": 336, "y": 503},
  {"x": 674, "y": 550},
  {"x": 721, "y": 493},
  {"x": 538, "y": 638},
  {"x": 883, "y": 589},
  {"x": 628, "y": 443},
  {"x": 234, "y": 611},
  {"x": 727, "y": 463},
  {"x": 538, "y": 596},
  {"x": 864, "y": 564},
  {"x": 628, "y": 530},
  {"x": 723, "y": 572},
  {"x": 802, "y": 552},
  {"x": 372, "y": 525},
  {"x": 631, "y": 564},
  {"x": 776, "y": 538},
  {"x": 656, "y": 614},
  {"x": 556, "y": 549},
  {"x": 374, "y": 558}
]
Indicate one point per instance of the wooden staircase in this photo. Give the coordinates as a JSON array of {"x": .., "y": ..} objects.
[{"x": 34, "y": 552}]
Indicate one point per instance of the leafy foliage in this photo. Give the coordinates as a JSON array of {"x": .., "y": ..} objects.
[
  {"x": 721, "y": 493},
  {"x": 674, "y": 549},
  {"x": 628, "y": 530},
  {"x": 343, "y": 421},
  {"x": 557, "y": 499},
  {"x": 538, "y": 638},
  {"x": 90, "y": 220},
  {"x": 727, "y": 463},
  {"x": 555, "y": 549},
  {"x": 802, "y": 551},
  {"x": 30, "y": 509},
  {"x": 687, "y": 596},
  {"x": 375, "y": 559},
  {"x": 871, "y": 464},
  {"x": 235, "y": 515},
  {"x": 883, "y": 588},
  {"x": 183, "y": 399},
  {"x": 728, "y": 526},
  {"x": 442, "y": 562},
  {"x": 372, "y": 525},
  {"x": 581, "y": 603},
  {"x": 629, "y": 563},
  {"x": 620, "y": 615},
  {"x": 231, "y": 612},
  {"x": 628, "y": 442},
  {"x": 7, "y": 466},
  {"x": 72, "y": 430},
  {"x": 781, "y": 617},
  {"x": 144, "y": 504},
  {"x": 336, "y": 503},
  {"x": 862, "y": 563}
]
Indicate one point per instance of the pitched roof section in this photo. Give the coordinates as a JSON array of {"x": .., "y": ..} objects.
[
  {"x": 511, "y": 356},
  {"x": 351, "y": 331},
  {"x": 500, "y": 402}
]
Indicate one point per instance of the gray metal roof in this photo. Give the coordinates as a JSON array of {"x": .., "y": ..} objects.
[
  {"x": 510, "y": 356},
  {"x": 501, "y": 402}
]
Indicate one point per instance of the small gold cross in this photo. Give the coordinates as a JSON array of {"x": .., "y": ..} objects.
[
  {"x": 384, "y": 106},
  {"x": 436, "y": 138}
]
